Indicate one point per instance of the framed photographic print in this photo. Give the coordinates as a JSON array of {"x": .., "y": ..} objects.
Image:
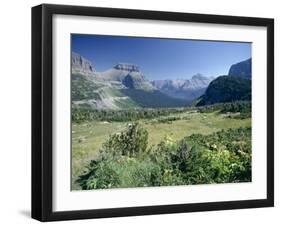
[{"x": 145, "y": 112}]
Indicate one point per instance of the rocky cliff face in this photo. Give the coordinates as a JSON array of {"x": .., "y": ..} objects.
[
  {"x": 129, "y": 75},
  {"x": 134, "y": 81},
  {"x": 81, "y": 65},
  {"x": 127, "y": 67},
  {"x": 242, "y": 69},
  {"x": 184, "y": 89}
]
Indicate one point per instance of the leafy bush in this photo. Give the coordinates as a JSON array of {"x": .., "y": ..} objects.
[
  {"x": 130, "y": 142},
  {"x": 99, "y": 175},
  {"x": 126, "y": 161},
  {"x": 167, "y": 120}
]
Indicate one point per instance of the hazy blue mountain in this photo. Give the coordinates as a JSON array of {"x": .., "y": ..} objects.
[
  {"x": 242, "y": 69},
  {"x": 184, "y": 88},
  {"x": 226, "y": 89},
  {"x": 153, "y": 99}
]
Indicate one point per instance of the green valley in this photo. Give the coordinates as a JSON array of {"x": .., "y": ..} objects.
[
  {"x": 128, "y": 131},
  {"x": 88, "y": 136}
]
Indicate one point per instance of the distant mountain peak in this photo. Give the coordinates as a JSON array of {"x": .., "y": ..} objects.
[
  {"x": 242, "y": 69},
  {"x": 199, "y": 76},
  {"x": 81, "y": 65},
  {"x": 127, "y": 67},
  {"x": 187, "y": 89}
]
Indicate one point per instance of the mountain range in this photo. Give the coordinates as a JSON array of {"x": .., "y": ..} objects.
[
  {"x": 122, "y": 86},
  {"x": 125, "y": 86},
  {"x": 184, "y": 88}
]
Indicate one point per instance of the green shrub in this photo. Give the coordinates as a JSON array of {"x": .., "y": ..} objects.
[
  {"x": 126, "y": 161},
  {"x": 99, "y": 175},
  {"x": 130, "y": 142}
]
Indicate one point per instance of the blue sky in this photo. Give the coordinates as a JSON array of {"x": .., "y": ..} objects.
[{"x": 161, "y": 58}]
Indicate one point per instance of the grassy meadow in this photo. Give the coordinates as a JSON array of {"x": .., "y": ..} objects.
[{"x": 89, "y": 137}]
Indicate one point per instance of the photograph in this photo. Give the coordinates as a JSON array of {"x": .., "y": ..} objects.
[
  {"x": 148, "y": 112},
  {"x": 145, "y": 112}
]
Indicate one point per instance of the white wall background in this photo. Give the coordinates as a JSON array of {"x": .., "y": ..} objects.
[{"x": 15, "y": 118}]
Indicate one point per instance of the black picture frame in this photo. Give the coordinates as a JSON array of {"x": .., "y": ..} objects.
[{"x": 42, "y": 111}]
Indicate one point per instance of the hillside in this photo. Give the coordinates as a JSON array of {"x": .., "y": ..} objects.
[
  {"x": 242, "y": 69},
  {"x": 88, "y": 93},
  {"x": 153, "y": 99},
  {"x": 226, "y": 89}
]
